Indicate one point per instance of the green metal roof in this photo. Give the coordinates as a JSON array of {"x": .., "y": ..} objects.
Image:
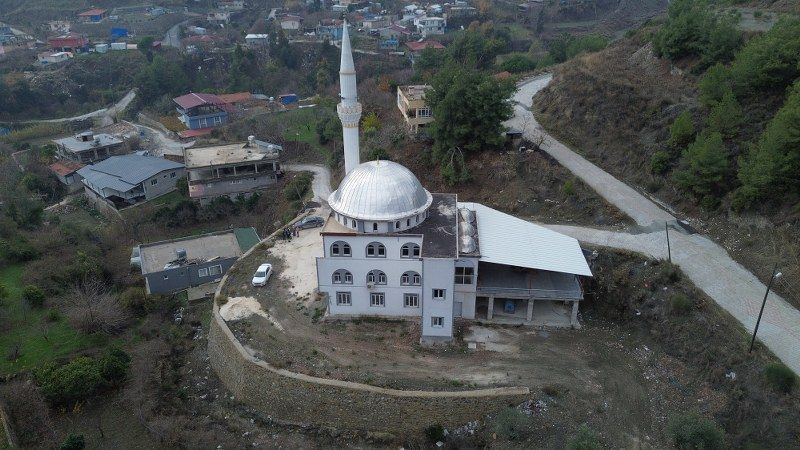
[{"x": 246, "y": 237}]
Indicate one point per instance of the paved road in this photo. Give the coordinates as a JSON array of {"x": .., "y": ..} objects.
[
  {"x": 627, "y": 199},
  {"x": 104, "y": 112},
  {"x": 322, "y": 179},
  {"x": 707, "y": 264}
]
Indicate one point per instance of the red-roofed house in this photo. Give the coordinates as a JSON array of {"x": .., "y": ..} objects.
[
  {"x": 198, "y": 110},
  {"x": 70, "y": 42},
  {"x": 66, "y": 172},
  {"x": 416, "y": 47},
  {"x": 93, "y": 15}
]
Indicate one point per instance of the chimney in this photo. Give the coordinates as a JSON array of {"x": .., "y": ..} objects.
[{"x": 251, "y": 141}]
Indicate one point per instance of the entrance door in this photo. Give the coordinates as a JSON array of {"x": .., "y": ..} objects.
[{"x": 457, "y": 309}]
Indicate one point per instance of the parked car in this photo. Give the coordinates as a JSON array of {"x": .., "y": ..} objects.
[
  {"x": 262, "y": 274},
  {"x": 310, "y": 222}
]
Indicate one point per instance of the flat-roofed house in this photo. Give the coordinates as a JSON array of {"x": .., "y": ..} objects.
[
  {"x": 122, "y": 181},
  {"x": 87, "y": 147},
  {"x": 178, "y": 264},
  {"x": 231, "y": 170},
  {"x": 412, "y": 105}
]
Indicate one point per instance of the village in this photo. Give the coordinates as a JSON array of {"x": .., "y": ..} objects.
[{"x": 363, "y": 224}]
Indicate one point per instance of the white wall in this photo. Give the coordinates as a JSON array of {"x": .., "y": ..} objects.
[
  {"x": 437, "y": 274},
  {"x": 465, "y": 293}
]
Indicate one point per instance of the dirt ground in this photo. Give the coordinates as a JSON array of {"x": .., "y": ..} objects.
[{"x": 604, "y": 374}]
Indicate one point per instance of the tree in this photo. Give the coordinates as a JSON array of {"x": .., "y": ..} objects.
[
  {"x": 681, "y": 132},
  {"x": 706, "y": 167},
  {"x": 690, "y": 432},
  {"x": 714, "y": 85},
  {"x": 33, "y": 295},
  {"x": 726, "y": 116},
  {"x": 773, "y": 164},
  {"x": 145, "y": 46},
  {"x": 371, "y": 123},
  {"x": 90, "y": 307},
  {"x": 73, "y": 442},
  {"x": 469, "y": 110}
]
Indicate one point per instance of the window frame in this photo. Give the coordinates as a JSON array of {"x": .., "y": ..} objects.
[
  {"x": 203, "y": 272},
  {"x": 377, "y": 295},
  {"x": 378, "y": 250},
  {"x": 410, "y": 278},
  {"x": 341, "y": 296},
  {"x": 438, "y": 298},
  {"x": 377, "y": 276},
  {"x": 410, "y": 296},
  {"x": 217, "y": 267},
  {"x": 435, "y": 319},
  {"x": 340, "y": 247},
  {"x": 464, "y": 278}
]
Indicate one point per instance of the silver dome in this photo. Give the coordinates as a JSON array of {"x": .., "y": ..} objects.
[{"x": 380, "y": 191}]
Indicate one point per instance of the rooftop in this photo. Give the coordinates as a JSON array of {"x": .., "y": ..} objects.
[
  {"x": 65, "y": 167},
  {"x": 230, "y": 154},
  {"x": 414, "y": 91},
  {"x": 438, "y": 231},
  {"x": 223, "y": 244},
  {"x": 123, "y": 173},
  {"x": 77, "y": 144},
  {"x": 193, "y": 99},
  {"x": 421, "y": 45},
  {"x": 93, "y": 12}
]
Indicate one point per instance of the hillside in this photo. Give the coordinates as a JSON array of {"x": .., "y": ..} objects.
[{"x": 617, "y": 106}]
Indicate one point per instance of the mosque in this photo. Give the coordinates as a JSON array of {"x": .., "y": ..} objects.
[{"x": 392, "y": 249}]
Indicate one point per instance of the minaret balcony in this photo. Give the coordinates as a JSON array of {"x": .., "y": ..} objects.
[{"x": 349, "y": 114}]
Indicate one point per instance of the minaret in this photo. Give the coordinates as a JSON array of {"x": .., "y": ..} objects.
[{"x": 349, "y": 109}]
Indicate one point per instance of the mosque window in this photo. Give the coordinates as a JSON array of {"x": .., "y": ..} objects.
[{"x": 376, "y": 250}]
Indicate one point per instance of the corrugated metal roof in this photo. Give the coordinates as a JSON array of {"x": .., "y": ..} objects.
[
  {"x": 196, "y": 99},
  {"x": 505, "y": 239},
  {"x": 125, "y": 172}
]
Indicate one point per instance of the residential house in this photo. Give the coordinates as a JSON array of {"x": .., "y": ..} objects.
[
  {"x": 392, "y": 36},
  {"x": 330, "y": 29},
  {"x": 374, "y": 22},
  {"x": 87, "y": 147},
  {"x": 231, "y": 170},
  {"x": 67, "y": 173},
  {"x": 291, "y": 23},
  {"x": 70, "y": 42},
  {"x": 178, "y": 264},
  {"x": 122, "y": 181},
  {"x": 415, "y": 48},
  {"x": 53, "y": 58},
  {"x": 427, "y": 26},
  {"x": 412, "y": 105},
  {"x": 7, "y": 35},
  {"x": 257, "y": 40},
  {"x": 59, "y": 26},
  {"x": 201, "y": 111},
  {"x": 234, "y": 5},
  {"x": 93, "y": 15},
  {"x": 459, "y": 11},
  {"x": 219, "y": 17}
]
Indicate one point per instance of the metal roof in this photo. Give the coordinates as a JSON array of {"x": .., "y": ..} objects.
[
  {"x": 124, "y": 172},
  {"x": 508, "y": 240},
  {"x": 193, "y": 99},
  {"x": 381, "y": 191}
]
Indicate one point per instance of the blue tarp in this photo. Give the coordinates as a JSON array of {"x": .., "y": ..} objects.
[
  {"x": 119, "y": 33},
  {"x": 288, "y": 99}
]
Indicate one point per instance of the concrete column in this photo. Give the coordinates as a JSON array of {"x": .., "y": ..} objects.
[
  {"x": 574, "y": 319},
  {"x": 530, "y": 309},
  {"x": 490, "y": 309}
]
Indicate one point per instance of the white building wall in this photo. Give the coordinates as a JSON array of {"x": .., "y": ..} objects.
[
  {"x": 437, "y": 274},
  {"x": 359, "y": 265}
]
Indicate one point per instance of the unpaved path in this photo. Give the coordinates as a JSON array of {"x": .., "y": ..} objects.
[
  {"x": 322, "y": 179},
  {"x": 106, "y": 113},
  {"x": 707, "y": 264}
]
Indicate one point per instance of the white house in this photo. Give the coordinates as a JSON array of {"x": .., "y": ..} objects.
[
  {"x": 393, "y": 249},
  {"x": 427, "y": 26}
]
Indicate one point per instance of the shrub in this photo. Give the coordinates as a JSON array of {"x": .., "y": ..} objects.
[
  {"x": 680, "y": 303},
  {"x": 568, "y": 188},
  {"x": 17, "y": 249},
  {"x": 586, "y": 439},
  {"x": 510, "y": 423},
  {"x": 435, "y": 432},
  {"x": 135, "y": 298},
  {"x": 73, "y": 442},
  {"x": 681, "y": 132},
  {"x": 27, "y": 413},
  {"x": 769, "y": 61},
  {"x": 33, "y": 295},
  {"x": 706, "y": 166},
  {"x": 82, "y": 377},
  {"x": 660, "y": 162},
  {"x": 297, "y": 187},
  {"x": 714, "y": 85},
  {"x": 53, "y": 315},
  {"x": 780, "y": 377},
  {"x": 726, "y": 115},
  {"x": 518, "y": 63},
  {"x": 690, "y": 432}
]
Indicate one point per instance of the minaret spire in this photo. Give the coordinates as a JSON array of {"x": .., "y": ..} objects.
[{"x": 349, "y": 109}]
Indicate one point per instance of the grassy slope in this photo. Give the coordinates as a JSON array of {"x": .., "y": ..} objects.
[{"x": 40, "y": 341}]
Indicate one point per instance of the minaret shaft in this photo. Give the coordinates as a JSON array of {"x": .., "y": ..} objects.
[{"x": 349, "y": 109}]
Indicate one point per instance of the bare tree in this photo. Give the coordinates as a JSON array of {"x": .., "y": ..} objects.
[
  {"x": 91, "y": 307},
  {"x": 28, "y": 414}
]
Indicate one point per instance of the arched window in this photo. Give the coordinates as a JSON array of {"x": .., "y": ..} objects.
[
  {"x": 340, "y": 248},
  {"x": 411, "y": 279},
  {"x": 376, "y": 250},
  {"x": 342, "y": 276},
  {"x": 409, "y": 250},
  {"x": 376, "y": 277}
]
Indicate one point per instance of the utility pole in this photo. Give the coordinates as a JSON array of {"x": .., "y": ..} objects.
[
  {"x": 775, "y": 274},
  {"x": 669, "y": 249}
]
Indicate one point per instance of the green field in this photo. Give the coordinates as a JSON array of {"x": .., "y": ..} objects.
[{"x": 28, "y": 338}]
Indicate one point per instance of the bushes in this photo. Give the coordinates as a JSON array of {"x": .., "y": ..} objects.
[
  {"x": 435, "y": 433},
  {"x": 511, "y": 424},
  {"x": 82, "y": 377},
  {"x": 691, "y": 432},
  {"x": 586, "y": 439},
  {"x": 769, "y": 61},
  {"x": 518, "y": 63},
  {"x": 298, "y": 187},
  {"x": 660, "y": 163},
  {"x": 33, "y": 295},
  {"x": 73, "y": 442},
  {"x": 568, "y": 46},
  {"x": 135, "y": 298},
  {"x": 780, "y": 377},
  {"x": 680, "y": 304},
  {"x": 681, "y": 132},
  {"x": 706, "y": 167},
  {"x": 28, "y": 414},
  {"x": 726, "y": 115}
]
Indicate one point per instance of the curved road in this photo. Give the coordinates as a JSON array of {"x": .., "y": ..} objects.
[
  {"x": 707, "y": 264},
  {"x": 321, "y": 186},
  {"x": 109, "y": 112}
]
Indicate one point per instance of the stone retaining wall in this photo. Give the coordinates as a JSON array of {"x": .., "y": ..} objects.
[{"x": 301, "y": 399}]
